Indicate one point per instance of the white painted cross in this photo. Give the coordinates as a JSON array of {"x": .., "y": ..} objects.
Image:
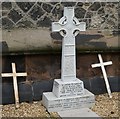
[
  {"x": 69, "y": 27},
  {"x": 14, "y": 75},
  {"x": 102, "y": 64}
]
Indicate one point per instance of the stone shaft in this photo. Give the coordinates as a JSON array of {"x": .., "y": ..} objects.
[{"x": 69, "y": 27}]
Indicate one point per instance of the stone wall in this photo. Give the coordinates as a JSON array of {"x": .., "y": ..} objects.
[
  {"x": 24, "y": 23},
  {"x": 100, "y": 15}
]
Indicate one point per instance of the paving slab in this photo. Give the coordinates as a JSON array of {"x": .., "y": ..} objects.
[{"x": 84, "y": 112}]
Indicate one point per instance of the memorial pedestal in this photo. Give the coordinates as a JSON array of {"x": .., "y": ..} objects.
[
  {"x": 67, "y": 96},
  {"x": 55, "y": 104}
]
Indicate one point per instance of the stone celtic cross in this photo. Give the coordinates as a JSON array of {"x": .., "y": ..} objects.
[
  {"x": 69, "y": 27},
  {"x": 14, "y": 75},
  {"x": 68, "y": 92}
]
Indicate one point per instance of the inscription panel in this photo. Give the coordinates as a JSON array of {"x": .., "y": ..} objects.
[
  {"x": 69, "y": 68},
  {"x": 73, "y": 102},
  {"x": 65, "y": 89},
  {"x": 71, "y": 89},
  {"x": 69, "y": 50}
]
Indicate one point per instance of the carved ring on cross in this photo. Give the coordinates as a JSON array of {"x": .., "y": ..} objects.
[{"x": 63, "y": 21}]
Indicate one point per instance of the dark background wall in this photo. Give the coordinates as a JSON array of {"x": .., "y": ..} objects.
[
  {"x": 48, "y": 66},
  {"x": 43, "y": 69}
]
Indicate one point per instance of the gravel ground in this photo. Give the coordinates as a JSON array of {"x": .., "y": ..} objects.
[{"x": 104, "y": 107}]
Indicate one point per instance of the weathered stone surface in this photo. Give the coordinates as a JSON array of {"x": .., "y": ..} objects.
[
  {"x": 80, "y": 12},
  {"x": 54, "y": 104},
  {"x": 25, "y": 23},
  {"x": 7, "y": 23},
  {"x": 3, "y": 47},
  {"x": 15, "y": 15},
  {"x": 89, "y": 14},
  {"x": 57, "y": 12},
  {"x": 68, "y": 4},
  {"x": 36, "y": 13},
  {"x": 95, "y": 6},
  {"x": 25, "y": 6},
  {"x": 54, "y": 11},
  {"x": 45, "y": 22},
  {"x": 101, "y": 11},
  {"x": 80, "y": 4},
  {"x": 47, "y": 7},
  {"x": 27, "y": 40},
  {"x": 97, "y": 15},
  {"x": 6, "y": 5}
]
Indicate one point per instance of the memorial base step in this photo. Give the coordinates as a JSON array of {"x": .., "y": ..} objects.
[
  {"x": 54, "y": 104},
  {"x": 71, "y": 88}
]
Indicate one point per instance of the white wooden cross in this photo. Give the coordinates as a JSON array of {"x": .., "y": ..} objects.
[
  {"x": 69, "y": 27},
  {"x": 102, "y": 64},
  {"x": 14, "y": 75}
]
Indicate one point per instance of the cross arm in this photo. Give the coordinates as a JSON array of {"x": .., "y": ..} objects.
[
  {"x": 56, "y": 27},
  {"x": 95, "y": 65},
  {"x": 21, "y": 74},
  {"x": 7, "y": 75},
  {"x": 107, "y": 63},
  {"x": 99, "y": 65},
  {"x": 81, "y": 26}
]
